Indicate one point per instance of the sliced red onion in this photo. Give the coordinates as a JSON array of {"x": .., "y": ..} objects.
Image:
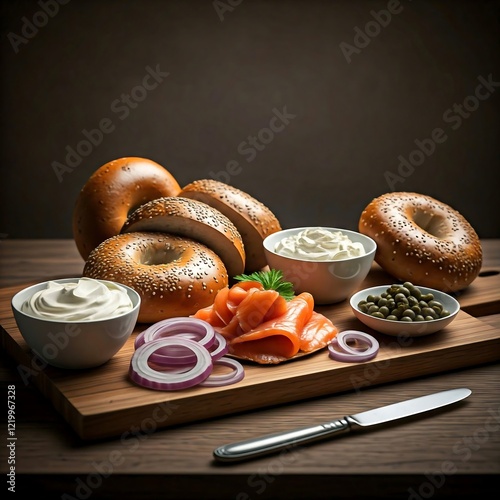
[
  {"x": 341, "y": 351},
  {"x": 178, "y": 353},
  {"x": 189, "y": 328},
  {"x": 232, "y": 377},
  {"x": 143, "y": 374},
  {"x": 201, "y": 330},
  {"x": 178, "y": 356},
  {"x": 219, "y": 348}
]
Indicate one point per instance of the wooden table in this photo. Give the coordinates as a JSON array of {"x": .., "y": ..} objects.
[{"x": 451, "y": 454}]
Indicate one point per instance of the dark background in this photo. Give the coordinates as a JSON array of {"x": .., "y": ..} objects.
[{"x": 352, "y": 120}]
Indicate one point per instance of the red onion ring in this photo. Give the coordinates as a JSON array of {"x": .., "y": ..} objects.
[
  {"x": 339, "y": 350},
  {"x": 141, "y": 373},
  {"x": 190, "y": 328},
  {"x": 232, "y": 377},
  {"x": 219, "y": 348},
  {"x": 164, "y": 357}
]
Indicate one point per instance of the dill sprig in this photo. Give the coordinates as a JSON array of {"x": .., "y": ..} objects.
[{"x": 270, "y": 280}]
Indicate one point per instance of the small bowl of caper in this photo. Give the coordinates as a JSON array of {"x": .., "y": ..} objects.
[{"x": 404, "y": 309}]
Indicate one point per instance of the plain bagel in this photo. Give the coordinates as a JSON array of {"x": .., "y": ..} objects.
[
  {"x": 174, "y": 276},
  {"x": 422, "y": 240},
  {"x": 192, "y": 219},
  {"x": 111, "y": 193},
  {"x": 252, "y": 218}
]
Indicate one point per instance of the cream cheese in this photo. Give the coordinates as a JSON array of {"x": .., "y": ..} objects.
[
  {"x": 83, "y": 300},
  {"x": 319, "y": 244}
]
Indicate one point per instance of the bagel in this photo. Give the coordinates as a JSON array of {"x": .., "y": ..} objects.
[
  {"x": 422, "y": 240},
  {"x": 252, "y": 218},
  {"x": 174, "y": 276},
  {"x": 192, "y": 219},
  {"x": 111, "y": 193}
]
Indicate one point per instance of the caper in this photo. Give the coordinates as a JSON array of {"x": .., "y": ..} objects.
[
  {"x": 400, "y": 297},
  {"x": 384, "y": 310},
  {"x": 397, "y": 312},
  {"x": 428, "y": 311},
  {"x": 413, "y": 301},
  {"x": 435, "y": 303},
  {"x": 409, "y": 313},
  {"x": 404, "y": 302}
]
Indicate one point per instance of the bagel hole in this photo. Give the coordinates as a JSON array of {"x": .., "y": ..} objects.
[
  {"x": 436, "y": 225},
  {"x": 158, "y": 257}
]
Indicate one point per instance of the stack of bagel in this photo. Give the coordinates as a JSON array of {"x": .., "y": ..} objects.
[{"x": 176, "y": 246}]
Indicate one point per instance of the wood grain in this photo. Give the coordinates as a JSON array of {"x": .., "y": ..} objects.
[
  {"x": 176, "y": 462},
  {"x": 103, "y": 402}
]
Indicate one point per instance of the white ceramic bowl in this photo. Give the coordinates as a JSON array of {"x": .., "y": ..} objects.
[
  {"x": 328, "y": 281},
  {"x": 401, "y": 328},
  {"x": 74, "y": 344}
]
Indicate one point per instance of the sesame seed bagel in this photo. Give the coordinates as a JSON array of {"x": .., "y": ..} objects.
[
  {"x": 112, "y": 192},
  {"x": 252, "y": 218},
  {"x": 192, "y": 219},
  {"x": 174, "y": 276},
  {"x": 422, "y": 240}
]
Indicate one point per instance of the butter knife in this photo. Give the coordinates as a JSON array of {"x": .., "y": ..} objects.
[{"x": 272, "y": 443}]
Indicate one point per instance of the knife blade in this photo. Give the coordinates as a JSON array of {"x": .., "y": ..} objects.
[{"x": 272, "y": 443}]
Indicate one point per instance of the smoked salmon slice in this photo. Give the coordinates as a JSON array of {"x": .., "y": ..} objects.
[
  {"x": 317, "y": 333},
  {"x": 261, "y": 326},
  {"x": 277, "y": 339},
  {"x": 256, "y": 306}
]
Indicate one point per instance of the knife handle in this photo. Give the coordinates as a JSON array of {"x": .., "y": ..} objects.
[{"x": 275, "y": 442}]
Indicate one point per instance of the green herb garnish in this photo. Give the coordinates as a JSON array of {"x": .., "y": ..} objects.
[{"x": 270, "y": 280}]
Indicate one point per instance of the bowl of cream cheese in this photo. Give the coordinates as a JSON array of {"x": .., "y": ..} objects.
[
  {"x": 76, "y": 323},
  {"x": 330, "y": 263}
]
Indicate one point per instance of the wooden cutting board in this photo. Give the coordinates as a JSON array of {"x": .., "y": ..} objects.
[{"x": 102, "y": 402}]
